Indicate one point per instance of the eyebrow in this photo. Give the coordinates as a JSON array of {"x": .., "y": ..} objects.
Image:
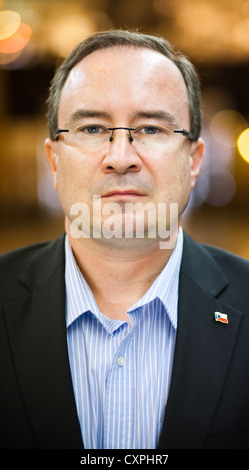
[
  {"x": 87, "y": 113},
  {"x": 157, "y": 114},
  {"x": 90, "y": 113}
]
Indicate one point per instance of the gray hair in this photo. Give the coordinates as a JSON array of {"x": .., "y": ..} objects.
[{"x": 113, "y": 38}]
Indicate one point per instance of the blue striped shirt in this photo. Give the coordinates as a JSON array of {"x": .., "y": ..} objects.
[{"x": 120, "y": 371}]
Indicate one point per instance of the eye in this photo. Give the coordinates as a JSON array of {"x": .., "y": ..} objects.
[
  {"x": 94, "y": 129},
  {"x": 150, "y": 130},
  {"x": 154, "y": 130}
]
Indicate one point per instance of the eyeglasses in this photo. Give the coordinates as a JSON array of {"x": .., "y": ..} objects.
[{"x": 94, "y": 137}]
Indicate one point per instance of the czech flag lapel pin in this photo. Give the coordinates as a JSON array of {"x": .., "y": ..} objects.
[{"x": 221, "y": 317}]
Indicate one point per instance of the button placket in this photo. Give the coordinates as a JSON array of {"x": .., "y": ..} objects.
[{"x": 116, "y": 401}]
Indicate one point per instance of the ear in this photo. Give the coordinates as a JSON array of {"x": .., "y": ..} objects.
[
  {"x": 52, "y": 158},
  {"x": 196, "y": 156}
]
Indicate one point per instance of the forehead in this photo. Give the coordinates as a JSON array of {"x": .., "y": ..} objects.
[{"x": 119, "y": 79}]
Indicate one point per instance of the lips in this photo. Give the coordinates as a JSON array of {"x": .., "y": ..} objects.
[{"x": 127, "y": 192}]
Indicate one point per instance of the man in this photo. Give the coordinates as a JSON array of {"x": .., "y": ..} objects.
[{"x": 110, "y": 338}]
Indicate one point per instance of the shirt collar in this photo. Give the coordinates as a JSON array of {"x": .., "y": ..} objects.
[{"x": 79, "y": 297}]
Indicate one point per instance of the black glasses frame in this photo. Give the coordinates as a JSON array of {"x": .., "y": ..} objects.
[{"x": 184, "y": 132}]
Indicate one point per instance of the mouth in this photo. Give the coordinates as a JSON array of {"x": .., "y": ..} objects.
[{"x": 124, "y": 193}]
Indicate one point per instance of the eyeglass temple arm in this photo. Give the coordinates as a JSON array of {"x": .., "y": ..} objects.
[
  {"x": 185, "y": 133},
  {"x": 59, "y": 131}
]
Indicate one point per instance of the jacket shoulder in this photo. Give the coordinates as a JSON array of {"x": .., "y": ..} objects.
[
  {"x": 32, "y": 263},
  {"x": 225, "y": 259},
  {"x": 19, "y": 254},
  {"x": 217, "y": 271},
  {"x": 229, "y": 261}
]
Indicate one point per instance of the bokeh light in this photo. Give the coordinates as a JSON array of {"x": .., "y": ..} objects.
[
  {"x": 17, "y": 41},
  {"x": 9, "y": 23},
  {"x": 15, "y": 35},
  {"x": 243, "y": 145},
  {"x": 226, "y": 126},
  {"x": 68, "y": 31}
]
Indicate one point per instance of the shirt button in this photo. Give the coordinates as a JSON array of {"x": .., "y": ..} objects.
[{"x": 121, "y": 361}]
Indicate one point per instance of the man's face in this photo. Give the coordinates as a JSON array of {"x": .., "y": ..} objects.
[{"x": 125, "y": 87}]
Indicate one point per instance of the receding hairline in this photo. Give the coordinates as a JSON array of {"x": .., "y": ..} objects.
[
  {"x": 124, "y": 47},
  {"x": 134, "y": 46}
]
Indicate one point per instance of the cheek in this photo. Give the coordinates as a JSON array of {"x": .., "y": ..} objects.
[
  {"x": 174, "y": 183},
  {"x": 72, "y": 179}
]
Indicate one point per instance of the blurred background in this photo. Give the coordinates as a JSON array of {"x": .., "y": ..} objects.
[{"x": 35, "y": 36}]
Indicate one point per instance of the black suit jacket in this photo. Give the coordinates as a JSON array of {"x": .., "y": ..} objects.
[{"x": 208, "y": 403}]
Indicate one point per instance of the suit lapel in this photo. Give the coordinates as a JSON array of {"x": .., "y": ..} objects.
[
  {"x": 37, "y": 332},
  {"x": 202, "y": 353}
]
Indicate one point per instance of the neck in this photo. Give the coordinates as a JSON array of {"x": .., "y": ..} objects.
[{"x": 118, "y": 275}]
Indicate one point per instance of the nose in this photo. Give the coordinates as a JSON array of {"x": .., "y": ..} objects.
[{"x": 121, "y": 156}]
